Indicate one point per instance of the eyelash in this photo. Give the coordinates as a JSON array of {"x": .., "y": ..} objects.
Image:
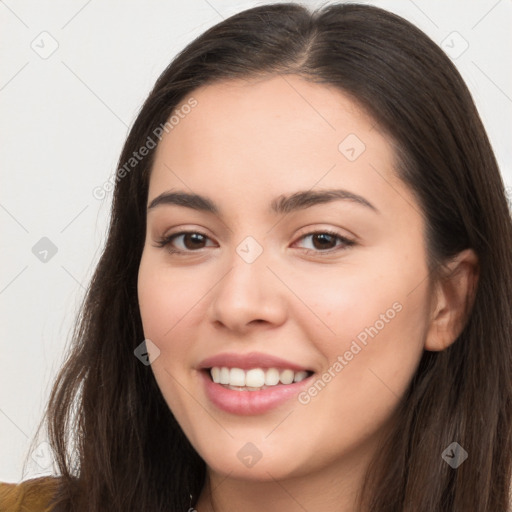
[{"x": 166, "y": 242}]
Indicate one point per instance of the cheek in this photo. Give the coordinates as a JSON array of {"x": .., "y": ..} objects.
[
  {"x": 162, "y": 305},
  {"x": 165, "y": 299},
  {"x": 169, "y": 308},
  {"x": 377, "y": 324},
  {"x": 369, "y": 366},
  {"x": 347, "y": 301}
]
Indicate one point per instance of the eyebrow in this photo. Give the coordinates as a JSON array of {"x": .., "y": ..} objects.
[{"x": 280, "y": 205}]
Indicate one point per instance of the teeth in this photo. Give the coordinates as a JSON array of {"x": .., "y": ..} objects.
[
  {"x": 224, "y": 376},
  {"x": 286, "y": 376},
  {"x": 271, "y": 377},
  {"x": 300, "y": 376},
  {"x": 255, "y": 378},
  {"x": 236, "y": 377}
]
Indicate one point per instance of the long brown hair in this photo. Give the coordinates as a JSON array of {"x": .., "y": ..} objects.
[{"x": 117, "y": 444}]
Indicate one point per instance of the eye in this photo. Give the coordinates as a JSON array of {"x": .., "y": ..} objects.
[
  {"x": 323, "y": 241},
  {"x": 194, "y": 240},
  {"x": 191, "y": 239}
]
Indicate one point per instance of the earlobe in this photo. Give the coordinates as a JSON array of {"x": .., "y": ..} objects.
[{"x": 452, "y": 301}]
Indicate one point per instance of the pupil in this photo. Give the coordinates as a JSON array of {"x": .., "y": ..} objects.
[
  {"x": 323, "y": 236},
  {"x": 196, "y": 238}
]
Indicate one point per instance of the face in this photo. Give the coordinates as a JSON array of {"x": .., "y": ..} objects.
[{"x": 274, "y": 279}]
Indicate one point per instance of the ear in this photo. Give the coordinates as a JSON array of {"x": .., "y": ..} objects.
[{"x": 453, "y": 298}]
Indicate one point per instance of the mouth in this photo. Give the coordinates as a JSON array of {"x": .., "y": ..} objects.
[
  {"x": 253, "y": 391},
  {"x": 255, "y": 379},
  {"x": 252, "y": 383}
]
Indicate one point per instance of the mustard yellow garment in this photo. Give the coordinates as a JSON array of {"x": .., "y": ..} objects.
[{"x": 34, "y": 495}]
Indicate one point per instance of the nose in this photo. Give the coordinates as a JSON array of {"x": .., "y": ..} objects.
[{"x": 248, "y": 294}]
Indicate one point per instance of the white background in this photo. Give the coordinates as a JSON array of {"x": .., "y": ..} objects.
[{"x": 62, "y": 125}]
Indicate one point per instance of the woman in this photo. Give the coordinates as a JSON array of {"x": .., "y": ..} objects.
[{"x": 226, "y": 358}]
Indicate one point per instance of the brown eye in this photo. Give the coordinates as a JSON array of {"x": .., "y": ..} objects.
[
  {"x": 193, "y": 240},
  {"x": 190, "y": 241},
  {"x": 326, "y": 242}
]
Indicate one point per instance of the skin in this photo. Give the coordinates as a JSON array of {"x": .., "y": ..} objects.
[{"x": 246, "y": 143}]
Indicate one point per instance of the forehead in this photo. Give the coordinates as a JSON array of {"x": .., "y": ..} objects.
[
  {"x": 270, "y": 136},
  {"x": 287, "y": 106}
]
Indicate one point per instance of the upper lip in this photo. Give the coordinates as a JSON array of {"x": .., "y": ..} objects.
[{"x": 248, "y": 361}]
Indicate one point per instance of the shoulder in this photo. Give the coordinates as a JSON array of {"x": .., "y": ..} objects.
[{"x": 33, "y": 495}]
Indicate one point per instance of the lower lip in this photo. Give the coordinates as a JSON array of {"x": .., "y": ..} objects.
[{"x": 250, "y": 402}]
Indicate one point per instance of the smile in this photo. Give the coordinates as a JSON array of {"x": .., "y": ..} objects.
[
  {"x": 255, "y": 379},
  {"x": 252, "y": 383}
]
